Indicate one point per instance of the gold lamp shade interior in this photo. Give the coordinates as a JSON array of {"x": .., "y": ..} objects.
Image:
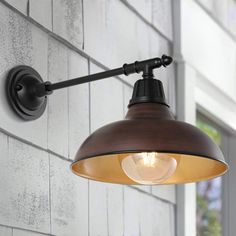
[{"x": 189, "y": 169}]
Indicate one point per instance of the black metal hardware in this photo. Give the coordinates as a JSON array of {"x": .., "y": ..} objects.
[
  {"x": 148, "y": 90},
  {"x": 146, "y": 67},
  {"x": 27, "y": 93},
  {"x": 22, "y": 95}
]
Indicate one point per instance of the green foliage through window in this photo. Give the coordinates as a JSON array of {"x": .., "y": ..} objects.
[
  {"x": 209, "y": 194},
  {"x": 210, "y": 131}
]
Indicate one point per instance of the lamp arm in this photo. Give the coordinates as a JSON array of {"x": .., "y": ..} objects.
[
  {"x": 27, "y": 92},
  {"x": 145, "y": 66}
]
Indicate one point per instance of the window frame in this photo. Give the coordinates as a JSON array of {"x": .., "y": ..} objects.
[
  {"x": 225, "y": 178},
  {"x": 188, "y": 106}
]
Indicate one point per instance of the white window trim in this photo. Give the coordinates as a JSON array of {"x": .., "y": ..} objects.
[
  {"x": 192, "y": 95},
  {"x": 188, "y": 102}
]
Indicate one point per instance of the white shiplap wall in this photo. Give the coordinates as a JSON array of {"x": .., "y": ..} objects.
[{"x": 61, "y": 40}]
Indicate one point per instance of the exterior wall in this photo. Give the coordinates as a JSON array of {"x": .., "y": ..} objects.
[
  {"x": 213, "y": 58},
  {"x": 61, "y": 40},
  {"x": 205, "y": 48},
  {"x": 223, "y": 12}
]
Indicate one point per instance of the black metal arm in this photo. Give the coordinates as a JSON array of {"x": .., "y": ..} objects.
[
  {"x": 27, "y": 92},
  {"x": 146, "y": 67}
]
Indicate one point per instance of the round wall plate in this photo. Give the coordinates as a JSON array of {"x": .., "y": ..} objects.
[{"x": 20, "y": 86}]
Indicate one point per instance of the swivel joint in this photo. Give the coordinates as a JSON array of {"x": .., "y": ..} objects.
[{"x": 147, "y": 66}]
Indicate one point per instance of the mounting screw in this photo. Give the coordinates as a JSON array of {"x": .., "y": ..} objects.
[{"x": 18, "y": 87}]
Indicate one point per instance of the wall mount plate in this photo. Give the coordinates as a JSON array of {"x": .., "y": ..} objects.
[{"x": 20, "y": 86}]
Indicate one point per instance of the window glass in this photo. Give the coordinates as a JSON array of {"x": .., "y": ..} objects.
[{"x": 209, "y": 194}]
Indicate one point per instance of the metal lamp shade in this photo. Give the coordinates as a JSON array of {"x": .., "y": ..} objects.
[{"x": 149, "y": 127}]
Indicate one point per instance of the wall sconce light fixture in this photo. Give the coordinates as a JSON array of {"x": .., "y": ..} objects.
[{"x": 148, "y": 147}]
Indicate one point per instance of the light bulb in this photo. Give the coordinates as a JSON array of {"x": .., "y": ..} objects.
[{"x": 149, "y": 167}]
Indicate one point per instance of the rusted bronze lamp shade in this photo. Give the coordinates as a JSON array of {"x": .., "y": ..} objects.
[{"x": 149, "y": 126}]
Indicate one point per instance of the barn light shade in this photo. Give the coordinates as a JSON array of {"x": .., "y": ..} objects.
[{"x": 148, "y": 147}]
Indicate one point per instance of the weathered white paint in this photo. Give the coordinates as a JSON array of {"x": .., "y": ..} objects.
[
  {"x": 19, "y": 5},
  {"x": 20, "y": 45},
  {"x": 127, "y": 43},
  {"x": 68, "y": 21},
  {"x": 19, "y": 232},
  {"x": 162, "y": 17},
  {"x": 165, "y": 192},
  {"x": 5, "y": 231},
  {"x": 69, "y": 200},
  {"x": 78, "y": 103},
  {"x": 98, "y": 209},
  {"x": 108, "y": 37},
  {"x": 41, "y": 11},
  {"x": 58, "y": 103},
  {"x": 24, "y": 184},
  {"x": 144, "y": 8},
  {"x": 131, "y": 212},
  {"x": 106, "y": 100},
  {"x": 115, "y": 204},
  {"x": 39, "y": 194},
  {"x": 144, "y": 214}
]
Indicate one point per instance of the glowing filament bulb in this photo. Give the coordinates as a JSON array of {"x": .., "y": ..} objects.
[
  {"x": 149, "y": 159},
  {"x": 149, "y": 167}
]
